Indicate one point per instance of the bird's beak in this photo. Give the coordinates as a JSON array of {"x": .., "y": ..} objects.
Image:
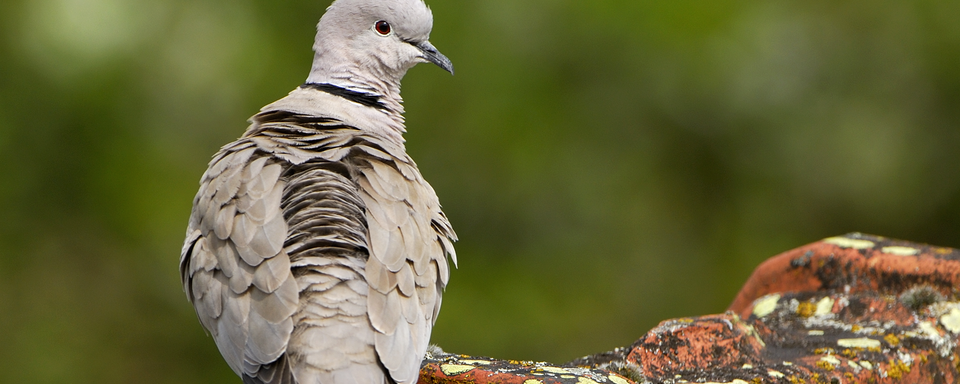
[{"x": 431, "y": 54}]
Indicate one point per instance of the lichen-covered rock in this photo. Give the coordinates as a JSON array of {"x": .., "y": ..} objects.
[
  {"x": 854, "y": 263},
  {"x": 849, "y": 309},
  {"x": 439, "y": 367}
]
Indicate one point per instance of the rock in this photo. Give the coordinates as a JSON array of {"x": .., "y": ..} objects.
[
  {"x": 448, "y": 368},
  {"x": 848, "y": 309}
]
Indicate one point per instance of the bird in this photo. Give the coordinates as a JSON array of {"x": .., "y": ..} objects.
[{"x": 315, "y": 252}]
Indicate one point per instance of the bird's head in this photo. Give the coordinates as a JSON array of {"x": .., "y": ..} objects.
[{"x": 381, "y": 39}]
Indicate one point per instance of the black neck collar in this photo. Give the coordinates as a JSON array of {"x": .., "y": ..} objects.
[{"x": 367, "y": 99}]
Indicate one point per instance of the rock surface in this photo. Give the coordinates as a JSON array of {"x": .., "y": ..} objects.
[{"x": 848, "y": 309}]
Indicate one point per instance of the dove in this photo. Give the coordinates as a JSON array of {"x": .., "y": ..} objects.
[{"x": 315, "y": 251}]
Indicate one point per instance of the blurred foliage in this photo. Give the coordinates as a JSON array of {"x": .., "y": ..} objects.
[{"x": 607, "y": 164}]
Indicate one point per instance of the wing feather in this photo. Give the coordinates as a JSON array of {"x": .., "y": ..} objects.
[
  {"x": 395, "y": 354},
  {"x": 226, "y": 256},
  {"x": 384, "y": 311},
  {"x": 272, "y": 273},
  {"x": 404, "y": 270},
  {"x": 223, "y": 224},
  {"x": 240, "y": 279},
  {"x": 244, "y": 228},
  {"x": 405, "y": 280}
]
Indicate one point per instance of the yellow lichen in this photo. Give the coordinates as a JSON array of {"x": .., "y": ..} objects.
[
  {"x": 928, "y": 329},
  {"x": 897, "y": 369},
  {"x": 863, "y": 342},
  {"x": 765, "y": 305},
  {"x": 892, "y": 339},
  {"x": 824, "y": 307},
  {"x": 848, "y": 353},
  {"x": 828, "y": 363},
  {"x": 951, "y": 321},
  {"x": 856, "y": 328},
  {"x": 475, "y": 362},
  {"x": 900, "y": 251},
  {"x": 825, "y": 351},
  {"x": 455, "y": 369},
  {"x": 618, "y": 379},
  {"x": 806, "y": 309},
  {"x": 585, "y": 380},
  {"x": 844, "y": 242}
]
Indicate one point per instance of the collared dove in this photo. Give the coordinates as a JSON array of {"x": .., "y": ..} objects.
[{"x": 316, "y": 252}]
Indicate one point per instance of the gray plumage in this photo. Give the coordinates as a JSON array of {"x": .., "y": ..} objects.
[{"x": 315, "y": 251}]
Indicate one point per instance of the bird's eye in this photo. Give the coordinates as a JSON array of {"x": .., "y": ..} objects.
[{"x": 382, "y": 27}]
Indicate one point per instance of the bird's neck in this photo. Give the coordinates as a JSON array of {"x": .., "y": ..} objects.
[{"x": 362, "y": 79}]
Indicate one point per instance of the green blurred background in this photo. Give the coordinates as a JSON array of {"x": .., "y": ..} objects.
[{"x": 607, "y": 164}]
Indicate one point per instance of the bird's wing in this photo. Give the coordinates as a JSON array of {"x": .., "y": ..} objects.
[
  {"x": 233, "y": 266},
  {"x": 407, "y": 269}
]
